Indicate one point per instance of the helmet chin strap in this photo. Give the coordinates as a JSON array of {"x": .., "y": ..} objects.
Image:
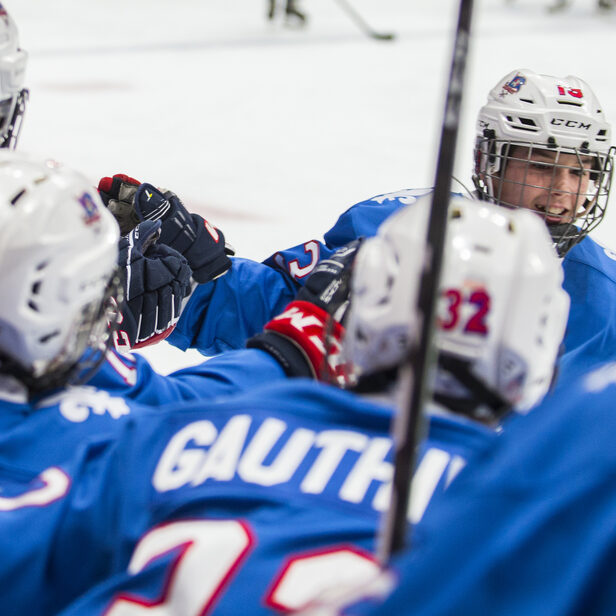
[{"x": 483, "y": 404}]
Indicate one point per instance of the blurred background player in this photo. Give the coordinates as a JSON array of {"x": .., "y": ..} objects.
[
  {"x": 278, "y": 492},
  {"x": 13, "y": 95},
  {"x": 292, "y": 13},
  {"x": 560, "y": 5}
]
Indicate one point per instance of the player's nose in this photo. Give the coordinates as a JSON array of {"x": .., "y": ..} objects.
[{"x": 565, "y": 181}]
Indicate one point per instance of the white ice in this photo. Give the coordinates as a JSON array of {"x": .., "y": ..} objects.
[{"x": 269, "y": 131}]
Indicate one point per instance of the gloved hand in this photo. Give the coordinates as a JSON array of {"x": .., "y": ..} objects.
[
  {"x": 156, "y": 280},
  {"x": 328, "y": 285},
  {"x": 202, "y": 244},
  {"x": 306, "y": 339},
  {"x": 118, "y": 194}
]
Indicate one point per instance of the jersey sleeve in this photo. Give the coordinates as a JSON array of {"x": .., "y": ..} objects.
[
  {"x": 223, "y": 314},
  {"x": 131, "y": 377},
  {"x": 360, "y": 220}
]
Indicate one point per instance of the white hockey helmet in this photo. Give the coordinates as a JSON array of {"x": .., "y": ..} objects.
[
  {"x": 555, "y": 114},
  {"x": 502, "y": 310},
  {"x": 13, "y": 95},
  {"x": 58, "y": 252}
]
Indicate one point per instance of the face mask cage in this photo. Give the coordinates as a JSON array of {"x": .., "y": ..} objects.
[
  {"x": 84, "y": 350},
  {"x": 11, "y": 119},
  {"x": 568, "y": 187}
]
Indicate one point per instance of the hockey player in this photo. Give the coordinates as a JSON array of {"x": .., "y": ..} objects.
[
  {"x": 560, "y": 5},
  {"x": 255, "y": 504},
  {"x": 13, "y": 95},
  {"x": 43, "y": 307},
  {"x": 526, "y": 528},
  {"x": 291, "y": 10},
  {"x": 159, "y": 278},
  {"x": 543, "y": 143},
  {"x": 58, "y": 251}
]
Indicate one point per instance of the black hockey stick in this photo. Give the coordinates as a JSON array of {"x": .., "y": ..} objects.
[
  {"x": 363, "y": 25},
  {"x": 409, "y": 423}
]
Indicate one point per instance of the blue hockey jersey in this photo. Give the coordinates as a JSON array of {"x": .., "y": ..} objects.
[
  {"x": 222, "y": 314},
  {"x": 37, "y": 439},
  {"x": 248, "y": 505},
  {"x": 528, "y": 526}
]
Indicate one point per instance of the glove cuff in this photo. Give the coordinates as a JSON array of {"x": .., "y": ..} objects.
[
  {"x": 293, "y": 361},
  {"x": 306, "y": 327},
  {"x": 207, "y": 255}
]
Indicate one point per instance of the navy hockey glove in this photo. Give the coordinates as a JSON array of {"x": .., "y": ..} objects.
[
  {"x": 118, "y": 194},
  {"x": 156, "y": 279},
  {"x": 328, "y": 285},
  {"x": 306, "y": 339},
  {"x": 201, "y": 243}
]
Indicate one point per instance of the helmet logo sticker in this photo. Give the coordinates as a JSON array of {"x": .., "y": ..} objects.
[
  {"x": 3, "y": 14},
  {"x": 90, "y": 208},
  {"x": 570, "y": 123},
  {"x": 513, "y": 86}
]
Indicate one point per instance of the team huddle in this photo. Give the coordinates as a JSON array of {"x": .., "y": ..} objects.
[{"x": 256, "y": 481}]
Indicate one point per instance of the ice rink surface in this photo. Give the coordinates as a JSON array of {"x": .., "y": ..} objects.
[{"x": 269, "y": 131}]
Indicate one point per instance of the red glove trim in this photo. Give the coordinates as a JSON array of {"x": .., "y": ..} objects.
[
  {"x": 307, "y": 325},
  {"x": 104, "y": 184},
  {"x": 153, "y": 339}
]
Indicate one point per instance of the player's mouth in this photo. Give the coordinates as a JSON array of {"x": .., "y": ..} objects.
[{"x": 554, "y": 213}]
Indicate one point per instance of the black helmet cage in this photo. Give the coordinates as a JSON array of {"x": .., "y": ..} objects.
[{"x": 492, "y": 156}]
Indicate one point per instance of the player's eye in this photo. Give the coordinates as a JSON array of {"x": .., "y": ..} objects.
[{"x": 539, "y": 166}]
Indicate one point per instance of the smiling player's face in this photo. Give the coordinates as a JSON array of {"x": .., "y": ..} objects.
[{"x": 554, "y": 184}]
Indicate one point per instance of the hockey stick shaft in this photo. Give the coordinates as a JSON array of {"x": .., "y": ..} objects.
[
  {"x": 409, "y": 424},
  {"x": 363, "y": 24}
]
